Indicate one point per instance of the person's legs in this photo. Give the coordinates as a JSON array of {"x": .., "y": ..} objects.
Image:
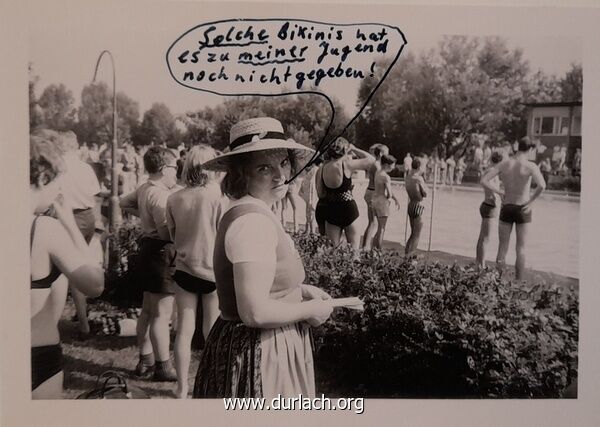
[
  {"x": 186, "y": 324},
  {"x": 292, "y": 199},
  {"x": 367, "y": 240},
  {"x": 210, "y": 311},
  {"x": 283, "y": 207},
  {"x": 143, "y": 338},
  {"x": 504, "y": 230},
  {"x": 333, "y": 232},
  {"x": 161, "y": 308},
  {"x": 352, "y": 235},
  {"x": 378, "y": 239},
  {"x": 522, "y": 230},
  {"x": 416, "y": 224},
  {"x": 484, "y": 235},
  {"x": 310, "y": 226}
]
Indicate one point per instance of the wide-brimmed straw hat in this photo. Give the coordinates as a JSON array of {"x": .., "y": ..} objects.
[{"x": 259, "y": 134}]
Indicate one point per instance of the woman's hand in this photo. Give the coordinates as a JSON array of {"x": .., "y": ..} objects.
[
  {"x": 310, "y": 292},
  {"x": 319, "y": 310}
]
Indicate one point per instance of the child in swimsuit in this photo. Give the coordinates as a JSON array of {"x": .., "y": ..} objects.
[
  {"x": 383, "y": 194},
  {"x": 377, "y": 150},
  {"x": 488, "y": 211}
]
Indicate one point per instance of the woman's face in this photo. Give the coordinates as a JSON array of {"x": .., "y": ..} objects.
[{"x": 267, "y": 173}]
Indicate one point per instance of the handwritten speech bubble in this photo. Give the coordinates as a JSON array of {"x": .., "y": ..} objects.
[{"x": 273, "y": 57}]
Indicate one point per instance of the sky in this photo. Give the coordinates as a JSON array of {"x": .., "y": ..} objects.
[{"x": 65, "y": 44}]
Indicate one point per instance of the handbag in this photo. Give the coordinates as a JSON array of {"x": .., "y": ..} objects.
[{"x": 112, "y": 385}]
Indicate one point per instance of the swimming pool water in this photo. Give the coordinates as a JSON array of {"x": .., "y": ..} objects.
[{"x": 553, "y": 240}]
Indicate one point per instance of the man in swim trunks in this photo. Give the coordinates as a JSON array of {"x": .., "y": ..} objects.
[
  {"x": 416, "y": 189},
  {"x": 516, "y": 174}
]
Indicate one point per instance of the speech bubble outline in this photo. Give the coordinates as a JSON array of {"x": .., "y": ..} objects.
[{"x": 321, "y": 147}]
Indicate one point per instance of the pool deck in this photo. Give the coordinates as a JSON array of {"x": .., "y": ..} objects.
[
  {"x": 531, "y": 276},
  {"x": 554, "y": 194}
]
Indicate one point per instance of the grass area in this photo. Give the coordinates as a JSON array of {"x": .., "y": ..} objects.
[{"x": 88, "y": 358}]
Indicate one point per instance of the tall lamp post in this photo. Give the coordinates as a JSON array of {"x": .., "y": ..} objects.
[{"x": 115, "y": 212}]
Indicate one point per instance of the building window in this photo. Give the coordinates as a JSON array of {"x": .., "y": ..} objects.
[
  {"x": 564, "y": 126},
  {"x": 547, "y": 125},
  {"x": 576, "y": 129},
  {"x": 536, "y": 125}
]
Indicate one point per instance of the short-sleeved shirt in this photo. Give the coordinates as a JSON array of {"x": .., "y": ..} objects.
[
  {"x": 252, "y": 237},
  {"x": 150, "y": 199}
]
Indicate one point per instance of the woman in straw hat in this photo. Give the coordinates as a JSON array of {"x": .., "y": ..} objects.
[
  {"x": 192, "y": 217},
  {"x": 57, "y": 247},
  {"x": 260, "y": 345}
]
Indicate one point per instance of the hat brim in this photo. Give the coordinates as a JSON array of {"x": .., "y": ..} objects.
[{"x": 221, "y": 162}]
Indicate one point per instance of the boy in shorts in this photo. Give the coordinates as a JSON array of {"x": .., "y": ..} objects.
[{"x": 382, "y": 195}]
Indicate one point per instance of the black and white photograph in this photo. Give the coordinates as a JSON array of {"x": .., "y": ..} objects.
[{"x": 304, "y": 210}]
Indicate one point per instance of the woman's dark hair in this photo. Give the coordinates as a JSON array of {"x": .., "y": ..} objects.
[
  {"x": 525, "y": 144},
  {"x": 388, "y": 159},
  {"x": 156, "y": 158},
  {"x": 338, "y": 148},
  {"x": 45, "y": 158},
  {"x": 496, "y": 157},
  {"x": 235, "y": 183}
]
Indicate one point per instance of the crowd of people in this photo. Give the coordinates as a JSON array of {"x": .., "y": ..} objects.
[
  {"x": 214, "y": 233},
  {"x": 451, "y": 169}
]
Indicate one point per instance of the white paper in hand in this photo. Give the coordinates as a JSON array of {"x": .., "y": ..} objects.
[{"x": 353, "y": 303}]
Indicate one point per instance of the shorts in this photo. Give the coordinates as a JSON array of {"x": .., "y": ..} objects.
[
  {"x": 86, "y": 222},
  {"x": 369, "y": 193},
  {"x": 415, "y": 209},
  {"x": 515, "y": 214},
  {"x": 341, "y": 213},
  {"x": 487, "y": 210},
  {"x": 320, "y": 215},
  {"x": 193, "y": 284},
  {"x": 381, "y": 206},
  {"x": 156, "y": 266},
  {"x": 46, "y": 361}
]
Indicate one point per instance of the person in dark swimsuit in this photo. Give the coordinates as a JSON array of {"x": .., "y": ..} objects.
[
  {"x": 489, "y": 212},
  {"x": 321, "y": 208},
  {"x": 57, "y": 246},
  {"x": 336, "y": 184}
]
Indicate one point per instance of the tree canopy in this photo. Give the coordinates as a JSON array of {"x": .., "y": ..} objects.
[{"x": 466, "y": 86}]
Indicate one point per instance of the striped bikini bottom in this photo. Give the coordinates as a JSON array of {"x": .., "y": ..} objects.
[{"x": 415, "y": 209}]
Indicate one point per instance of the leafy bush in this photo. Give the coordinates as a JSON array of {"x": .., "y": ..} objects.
[
  {"x": 428, "y": 330},
  {"x": 432, "y": 330},
  {"x": 120, "y": 280}
]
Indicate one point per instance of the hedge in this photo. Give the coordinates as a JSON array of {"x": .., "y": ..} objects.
[
  {"x": 427, "y": 330},
  {"x": 434, "y": 330}
]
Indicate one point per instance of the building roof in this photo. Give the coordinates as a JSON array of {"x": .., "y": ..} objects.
[{"x": 554, "y": 104}]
